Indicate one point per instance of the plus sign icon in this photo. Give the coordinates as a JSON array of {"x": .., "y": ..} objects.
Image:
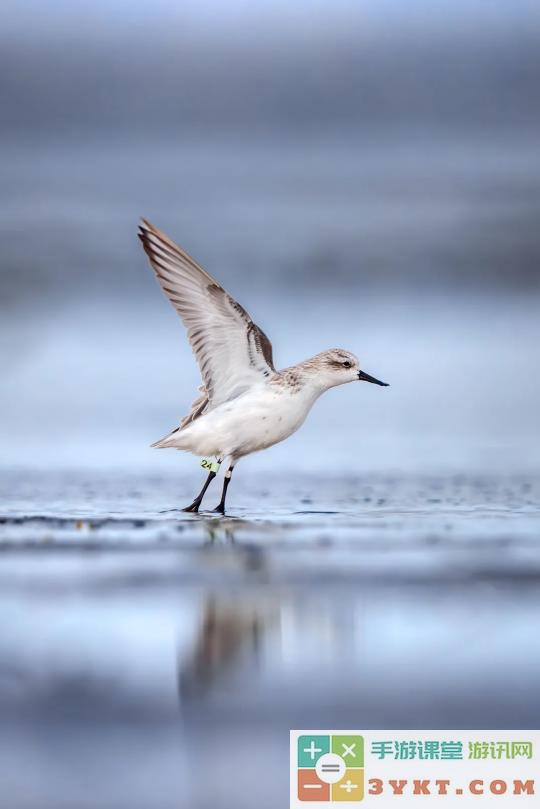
[{"x": 330, "y": 768}]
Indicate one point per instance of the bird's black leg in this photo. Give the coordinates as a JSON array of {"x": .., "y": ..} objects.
[
  {"x": 228, "y": 474},
  {"x": 198, "y": 500}
]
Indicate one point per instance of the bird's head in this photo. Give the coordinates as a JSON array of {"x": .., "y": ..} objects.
[{"x": 337, "y": 366}]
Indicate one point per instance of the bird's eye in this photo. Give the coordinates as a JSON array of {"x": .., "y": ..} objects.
[{"x": 347, "y": 364}]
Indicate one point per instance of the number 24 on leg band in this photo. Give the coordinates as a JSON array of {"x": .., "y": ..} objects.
[{"x": 211, "y": 466}]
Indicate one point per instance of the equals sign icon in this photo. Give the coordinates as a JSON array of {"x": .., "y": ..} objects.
[{"x": 330, "y": 768}]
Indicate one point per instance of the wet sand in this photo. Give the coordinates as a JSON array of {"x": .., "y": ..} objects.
[{"x": 153, "y": 658}]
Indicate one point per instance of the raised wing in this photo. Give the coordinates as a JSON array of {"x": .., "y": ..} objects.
[{"x": 232, "y": 352}]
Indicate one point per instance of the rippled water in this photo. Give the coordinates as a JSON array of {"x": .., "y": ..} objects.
[{"x": 153, "y": 658}]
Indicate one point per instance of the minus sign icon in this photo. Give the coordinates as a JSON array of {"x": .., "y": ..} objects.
[{"x": 312, "y": 786}]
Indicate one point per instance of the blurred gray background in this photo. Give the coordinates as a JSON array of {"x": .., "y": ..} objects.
[{"x": 358, "y": 174}]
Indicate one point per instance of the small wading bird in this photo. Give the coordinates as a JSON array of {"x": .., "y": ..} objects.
[{"x": 245, "y": 404}]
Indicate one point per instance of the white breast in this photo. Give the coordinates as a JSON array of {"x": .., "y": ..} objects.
[{"x": 254, "y": 421}]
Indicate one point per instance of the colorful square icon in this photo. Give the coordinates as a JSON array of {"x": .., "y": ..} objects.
[
  {"x": 350, "y": 788},
  {"x": 331, "y": 768},
  {"x": 311, "y": 788},
  {"x": 311, "y": 748}
]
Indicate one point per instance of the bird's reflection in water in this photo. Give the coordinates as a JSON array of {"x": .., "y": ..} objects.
[
  {"x": 232, "y": 624},
  {"x": 222, "y": 551},
  {"x": 230, "y": 633},
  {"x": 247, "y": 636}
]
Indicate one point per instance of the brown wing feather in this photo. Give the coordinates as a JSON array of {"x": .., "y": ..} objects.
[{"x": 232, "y": 351}]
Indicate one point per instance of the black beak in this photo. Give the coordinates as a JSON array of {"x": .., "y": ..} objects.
[{"x": 367, "y": 378}]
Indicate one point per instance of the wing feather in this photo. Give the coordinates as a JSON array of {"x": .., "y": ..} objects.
[{"x": 232, "y": 352}]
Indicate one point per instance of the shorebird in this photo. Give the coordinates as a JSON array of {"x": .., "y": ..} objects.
[{"x": 245, "y": 404}]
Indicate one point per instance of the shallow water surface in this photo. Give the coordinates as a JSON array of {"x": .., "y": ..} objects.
[{"x": 153, "y": 658}]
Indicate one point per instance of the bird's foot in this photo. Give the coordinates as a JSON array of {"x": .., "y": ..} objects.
[
  {"x": 219, "y": 509},
  {"x": 194, "y": 507}
]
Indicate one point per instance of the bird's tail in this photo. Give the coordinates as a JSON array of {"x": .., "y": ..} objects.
[
  {"x": 169, "y": 440},
  {"x": 197, "y": 409}
]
